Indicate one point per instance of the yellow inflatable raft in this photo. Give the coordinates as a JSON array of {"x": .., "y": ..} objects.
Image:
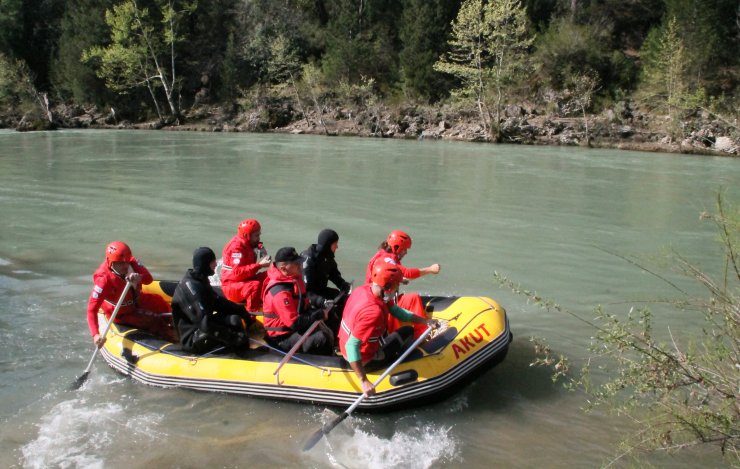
[{"x": 477, "y": 337}]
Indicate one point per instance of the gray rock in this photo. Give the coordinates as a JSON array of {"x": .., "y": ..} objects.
[
  {"x": 726, "y": 144},
  {"x": 513, "y": 110}
]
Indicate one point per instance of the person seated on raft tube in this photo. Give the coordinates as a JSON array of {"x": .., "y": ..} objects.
[
  {"x": 144, "y": 311},
  {"x": 363, "y": 337},
  {"x": 287, "y": 310},
  {"x": 394, "y": 249},
  {"x": 204, "y": 320},
  {"x": 243, "y": 258},
  {"x": 319, "y": 267}
]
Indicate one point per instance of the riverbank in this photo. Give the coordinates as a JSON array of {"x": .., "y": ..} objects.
[{"x": 617, "y": 128}]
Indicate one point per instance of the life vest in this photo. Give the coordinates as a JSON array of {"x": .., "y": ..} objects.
[
  {"x": 365, "y": 318},
  {"x": 280, "y": 316}
]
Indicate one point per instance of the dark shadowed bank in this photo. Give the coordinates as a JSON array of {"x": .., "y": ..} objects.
[{"x": 620, "y": 127}]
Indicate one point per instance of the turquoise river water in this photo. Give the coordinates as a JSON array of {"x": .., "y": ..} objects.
[{"x": 548, "y": 218}]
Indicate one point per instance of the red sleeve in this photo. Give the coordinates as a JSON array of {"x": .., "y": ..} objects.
[
  {"x": 284, "y": 305},
  {"x": 242, "y": 263},
  {"x": 410, "y": 272},
  {"x": 97, "y": 296},
  {"x": 146, "y": 277}
]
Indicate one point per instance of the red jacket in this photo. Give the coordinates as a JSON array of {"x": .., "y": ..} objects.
[
  {"x": 239, "y": 261},
  {"x": 282, "y": 306},
  {"x": 408, "y": 272},
  {"x": 106, "y": 291},
  {"x": 365, "y": 317}
]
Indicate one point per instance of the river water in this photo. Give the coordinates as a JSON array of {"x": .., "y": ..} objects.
[{"x": 551, "y": 219}]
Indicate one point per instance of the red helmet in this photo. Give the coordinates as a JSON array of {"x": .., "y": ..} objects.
[
  {"x": 387, "y": 275},
  {"x": 248, "y": 227},
  {"x": 117, "y": 251},
  {"x": 398, "y": 240}
]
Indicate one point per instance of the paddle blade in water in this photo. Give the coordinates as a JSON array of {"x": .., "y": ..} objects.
[
  {"x": 324, "y": 430},
  {"x": 80, "y": 381}
]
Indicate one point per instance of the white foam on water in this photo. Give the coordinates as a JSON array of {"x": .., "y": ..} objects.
[
  {"x": 77, "y": 434},
  {"x": 414, "y": 448},
  {"x": 4, "y": 262}
]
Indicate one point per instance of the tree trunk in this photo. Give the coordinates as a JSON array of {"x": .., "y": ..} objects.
[{"x": 298, "y": 99}]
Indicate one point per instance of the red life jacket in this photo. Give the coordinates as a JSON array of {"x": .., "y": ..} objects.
[
  {"x": 365, "y": 318},
  {"x": 283, "y": 299}
]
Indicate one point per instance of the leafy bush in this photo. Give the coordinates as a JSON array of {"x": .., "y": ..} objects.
[{"x": 679, "y": 393}]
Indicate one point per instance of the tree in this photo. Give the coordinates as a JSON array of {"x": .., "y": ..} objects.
[
  {"x": 425, "y": 24},
  {"x": 312, "y": 82},
  {"x": 664, "y": 80},
  {"x": 362, "y": 41},
  {"x": 17, "y": 88},
  {"x": 283, "y": 67},
  {"x": 568, "y": 48},
  {"x": 582, "y": 86},
  {"x": 142, "y": 49},
  {"x": 82, "y": 25},
  {"x": 509, "y": 44},
  {"x": 488, "y": 52},
  {"x": 11, "y": 26},
  {"x": 679, "y": 393},
  {"x": 29, "y": 32}
]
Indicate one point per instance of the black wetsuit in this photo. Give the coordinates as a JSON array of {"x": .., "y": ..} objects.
[
  {"x": 203, "y": 319},
  {"x": 319, "y": 267}
]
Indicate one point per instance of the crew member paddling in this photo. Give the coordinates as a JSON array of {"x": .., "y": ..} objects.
[
  {"x": 362, "y": 336},
  {"x": 145, "y": 311}
]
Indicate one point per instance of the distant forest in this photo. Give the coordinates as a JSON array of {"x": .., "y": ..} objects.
[{"x": 159, "y": 58}]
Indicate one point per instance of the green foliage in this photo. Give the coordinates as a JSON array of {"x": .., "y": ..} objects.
[
  {"x": 362, "y": 41},
  {"x": 487, "y": 54},
  {"x": 223, "y": 47},
  {"x": 425, "y": 25},
  {"x": 142, "y": 49},
  {"x": 665, "y": 82},
  {"x": 11, "y": 83},
  {"x": 568, "y": 48},
  {"x": 680, "y": 392},
  {"x": 83, "y": 22},
  {"x": 11, "y": 25}
]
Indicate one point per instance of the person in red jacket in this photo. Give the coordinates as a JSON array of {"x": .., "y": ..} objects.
[
  {"x": 146, "y": 311},
  {"x": 363, "y": 335},
  {"x": 393, "y": 249},
  {"x": 288, "y": 313},
  {"x": 243, "y": 260}
]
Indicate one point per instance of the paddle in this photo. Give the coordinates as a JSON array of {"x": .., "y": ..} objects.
[
  {"x": 306, "y": 334},
  {"x": 81, "y": 380},
  {"x": 327, "y": 427}
]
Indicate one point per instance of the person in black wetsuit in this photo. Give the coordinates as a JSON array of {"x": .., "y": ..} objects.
[
  {"x": 204, "y": 320},
  {"x": 320, "y": 267}
]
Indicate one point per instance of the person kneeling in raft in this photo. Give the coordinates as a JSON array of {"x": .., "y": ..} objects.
[
  {"x": 287, "y": 311},
  {"x": 364, "y": 323},
  {"x": 205, "y": 321}
]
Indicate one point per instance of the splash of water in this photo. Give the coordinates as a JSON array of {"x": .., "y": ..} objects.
[
  {"x": 76, "y": 433},
  {"x": 413, "y": 448}
]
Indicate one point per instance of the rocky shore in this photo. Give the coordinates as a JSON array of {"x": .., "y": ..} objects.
[{"x": 620, "y": 127}]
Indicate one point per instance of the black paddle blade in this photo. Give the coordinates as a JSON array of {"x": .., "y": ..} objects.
[
  {"x": 324, "y": 430},
  {"x": 80, "y": 381}
]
